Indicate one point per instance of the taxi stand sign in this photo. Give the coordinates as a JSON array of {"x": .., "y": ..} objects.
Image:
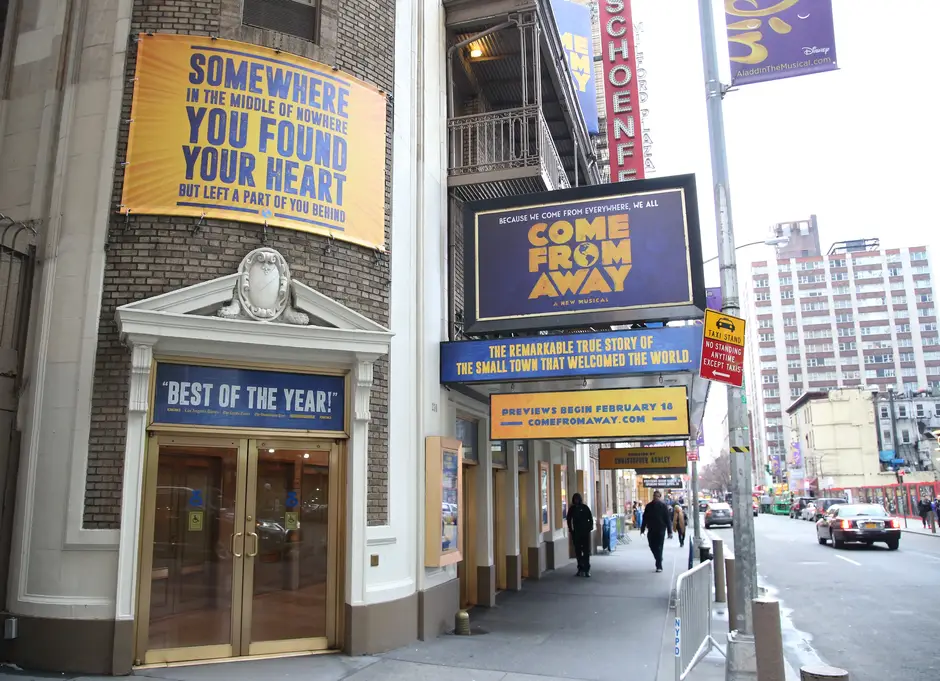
[{"x": 723, "y": 348}]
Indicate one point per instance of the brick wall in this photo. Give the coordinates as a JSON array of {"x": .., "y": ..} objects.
[{"x": 150, "y": 255}]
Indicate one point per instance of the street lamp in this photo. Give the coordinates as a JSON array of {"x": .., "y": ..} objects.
[{"x": 776, "y": 241}]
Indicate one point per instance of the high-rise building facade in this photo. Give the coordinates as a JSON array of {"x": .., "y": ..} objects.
[
  {"x": 802, "y": 238},
  {"x": 848, "y": 318}
]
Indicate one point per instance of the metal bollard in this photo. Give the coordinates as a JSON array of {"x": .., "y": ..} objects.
[
  {"x": 718, "y": 560},
  {"x": 823, "y": 673},
  {"x": 732, "y": 605},
  {"x": 768, "y": 640}
]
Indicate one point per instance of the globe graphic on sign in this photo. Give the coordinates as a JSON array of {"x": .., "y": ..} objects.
[{"x": 586, "y": 255}]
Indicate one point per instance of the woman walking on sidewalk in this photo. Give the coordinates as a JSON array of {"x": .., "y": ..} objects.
[{"x": 678, "y": 524}]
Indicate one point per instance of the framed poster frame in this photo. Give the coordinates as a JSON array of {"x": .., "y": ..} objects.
[{"x": 441, "y": 545}]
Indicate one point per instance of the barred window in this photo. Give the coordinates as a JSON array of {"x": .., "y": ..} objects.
[{"x": 298, "y": 18}]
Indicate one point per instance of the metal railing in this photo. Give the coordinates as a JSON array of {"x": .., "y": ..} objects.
[
  {"x": 504, "y": 140},
  {"x": 693, "y": 622}
]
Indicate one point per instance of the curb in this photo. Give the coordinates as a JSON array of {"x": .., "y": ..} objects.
[{"x": 921, "y": 534}]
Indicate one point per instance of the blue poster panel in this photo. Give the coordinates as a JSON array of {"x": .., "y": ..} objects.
[
  {"x": 604, "y": 254},
  {"x": 611, "y": 353},
  {"x": 574, "y": 27},
  {"x": 226, "y": 397}
]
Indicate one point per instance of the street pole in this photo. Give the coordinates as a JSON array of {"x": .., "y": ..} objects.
[
  {"x": 741, "y": 662},
  {"x": 693, "y": 503}
]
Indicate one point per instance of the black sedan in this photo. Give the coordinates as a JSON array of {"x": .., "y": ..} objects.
[{"x": 858, "y": 523}]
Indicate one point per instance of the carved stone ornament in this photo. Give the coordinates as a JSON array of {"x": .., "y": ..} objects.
[{"x": 263, "y": 291}]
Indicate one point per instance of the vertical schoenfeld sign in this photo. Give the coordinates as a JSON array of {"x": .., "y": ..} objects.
[{"x": 624, "y": 129}]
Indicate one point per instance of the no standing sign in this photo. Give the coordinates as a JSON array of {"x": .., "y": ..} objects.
[{"x": 723, "y": 349}]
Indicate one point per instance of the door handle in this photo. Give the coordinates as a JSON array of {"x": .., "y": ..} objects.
[
  {"x": 255, "y": 552},
  {"x": 237, "y": 555}
]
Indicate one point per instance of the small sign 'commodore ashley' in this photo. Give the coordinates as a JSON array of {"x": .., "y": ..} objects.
[{"x": 723, "y": 349}]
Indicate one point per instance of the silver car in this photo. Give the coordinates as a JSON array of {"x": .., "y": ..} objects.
[{"x": 718, "y": 513}]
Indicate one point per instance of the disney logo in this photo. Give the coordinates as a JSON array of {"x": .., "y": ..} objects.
[{"x": 815, "y": 50}]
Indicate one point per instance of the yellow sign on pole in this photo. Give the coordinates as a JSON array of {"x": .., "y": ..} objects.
[{"x": 724, "y": 328}]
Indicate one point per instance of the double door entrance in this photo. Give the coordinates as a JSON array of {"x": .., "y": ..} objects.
[{"x": 240, "y": 548}]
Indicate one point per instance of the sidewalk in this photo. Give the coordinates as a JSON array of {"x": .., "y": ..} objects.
[
  {"x": 613, "y": 626},
  {"x": 916, "y": 526}
]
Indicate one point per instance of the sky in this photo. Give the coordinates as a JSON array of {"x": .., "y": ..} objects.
[{"x": 859, "y": 147}]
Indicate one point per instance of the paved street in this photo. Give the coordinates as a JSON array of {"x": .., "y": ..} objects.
[{"x": 868, "y": 610}]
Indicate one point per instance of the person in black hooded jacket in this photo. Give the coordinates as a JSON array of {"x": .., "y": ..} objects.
[
  {"x": 656, "y": 525},
  {"x": 580, "y": 524}
]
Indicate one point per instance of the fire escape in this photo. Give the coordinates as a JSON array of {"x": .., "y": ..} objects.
[{"x": 514, "y": 124}]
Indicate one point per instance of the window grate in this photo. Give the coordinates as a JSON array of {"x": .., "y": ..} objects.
[{"x": 291, "y": 17}]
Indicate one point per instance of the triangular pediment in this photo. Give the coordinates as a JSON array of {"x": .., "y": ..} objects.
[{"x": 207, "y": 298}]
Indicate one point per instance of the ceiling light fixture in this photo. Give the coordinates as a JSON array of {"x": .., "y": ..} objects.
[{"x": 475, "y": 53}]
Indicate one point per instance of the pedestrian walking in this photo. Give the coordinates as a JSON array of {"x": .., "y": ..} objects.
[
  {"x": 923, "y": 508},
  {"x": 933, "y": 515},
  {"x": 656, "y": 525},
  {"x": 639, "y": 515},
  {"x": 678, "y": 523},
  {"x": 580, "y": 523}
]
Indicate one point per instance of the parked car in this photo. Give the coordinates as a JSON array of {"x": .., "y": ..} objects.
[
  {"x": 823, "y": 504},
  {"x": 860, "y": 523},
  {"x": 718, "y": 513},
  {"x": 809, "y": 511}
]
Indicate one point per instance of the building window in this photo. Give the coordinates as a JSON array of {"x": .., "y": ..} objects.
[
  {"x": 936, "y": 409},
  {"x": 905, "y": 436},
  {"x": 884, "y": 412},
  {"x": 902, "y": 411},
  {"x": 292, "y": 17},
  {"x": 918, "y": 255},
  {"x": 886, "y": 436},
  {"x": 787, "y": 294},
  {"x": 920, "y": 411}
]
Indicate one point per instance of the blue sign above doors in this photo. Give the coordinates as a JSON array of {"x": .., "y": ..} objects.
[{"x": 225, "y": 397}]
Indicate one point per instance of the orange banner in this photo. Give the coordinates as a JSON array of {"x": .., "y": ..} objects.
[{"x": 221, "y": 129}]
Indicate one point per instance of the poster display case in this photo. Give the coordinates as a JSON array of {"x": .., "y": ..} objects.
[
  {"x": 443, "y": 500},
  {"x": 544, "y": 498}
]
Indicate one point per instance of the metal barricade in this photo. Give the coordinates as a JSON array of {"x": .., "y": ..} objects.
[{"x": 693, "y": 621}]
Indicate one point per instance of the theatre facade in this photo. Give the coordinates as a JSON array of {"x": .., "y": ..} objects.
[{"x": 292, "y": 362}]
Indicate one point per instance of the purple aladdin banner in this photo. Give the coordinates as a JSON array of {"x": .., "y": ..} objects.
[
  {"x": 713, "y": 298},
  {"x": 775, "y": 39},
  {"x": 796, "y": 456}
]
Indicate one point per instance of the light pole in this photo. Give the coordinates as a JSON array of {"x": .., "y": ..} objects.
[
  {"x": 776, "y": 241},
  {"x": 696, "y": 520},
  {"x": 741, "y": 653}
]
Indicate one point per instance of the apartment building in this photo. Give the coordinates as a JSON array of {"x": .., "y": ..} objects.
[
  {"x": 837, "y": 433},
  {"x": 857, "y": 316},
  {"x": 907, "y": 435}
]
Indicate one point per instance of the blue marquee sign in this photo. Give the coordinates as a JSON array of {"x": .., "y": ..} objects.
[
  {"x": 224, "y": 397},
  {"x": 612, "y": 353}
]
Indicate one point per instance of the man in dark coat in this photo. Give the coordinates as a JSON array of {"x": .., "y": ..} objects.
[
  {"x": 656, "y": 525},
  {"x": 580, "y": 523}
]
